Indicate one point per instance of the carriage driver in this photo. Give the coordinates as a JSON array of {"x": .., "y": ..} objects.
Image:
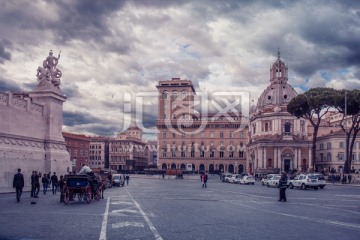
[{"x": 87, "y": 170}]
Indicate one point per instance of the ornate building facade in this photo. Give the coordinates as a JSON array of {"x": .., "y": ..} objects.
[
  {"x": 192, "y": 140},
  {"x": 127, "y": 151},
  {"x": 278, "y": 141}
]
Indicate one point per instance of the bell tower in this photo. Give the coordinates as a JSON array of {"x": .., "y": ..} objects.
[{"x": 278, "y": 71}]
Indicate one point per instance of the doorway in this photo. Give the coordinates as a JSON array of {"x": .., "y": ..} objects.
[{"x": 286, "y": 165}]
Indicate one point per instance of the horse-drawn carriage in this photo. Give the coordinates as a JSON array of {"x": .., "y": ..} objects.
[{"x": 84, "y": 187}]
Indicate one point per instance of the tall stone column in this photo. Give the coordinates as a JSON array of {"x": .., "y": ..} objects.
[{"x": 57, "y": 158}]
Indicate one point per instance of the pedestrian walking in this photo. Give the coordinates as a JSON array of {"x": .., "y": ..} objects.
[
  {"x": 32, "y": 183},
  {"x": 204, "y": 180},
  {"x": 54, "y": 183},
  {"x": 343, "y": 180},
  {"x": 333, "y": 178},
  {"x": 45, "y": 182},
  {"x": 127, "y": 178},
  {"x": 282, "y": 187},
  {"x": 37, "y": 184},
  {"x": 163, "y": 175},
  {"x": 18, "y": 184},
  {"x": 349, "y": 178},
  {"x": 61, "y": 187}
]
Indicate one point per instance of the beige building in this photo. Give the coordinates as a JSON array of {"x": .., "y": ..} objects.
[
  {"x": 127, "y": 151},
  {"x": 278, "y": 140},
  {"x": 330, "y": 148},
  {"x": 97, "y": 154},
  {"x": 193, "y": 140}
]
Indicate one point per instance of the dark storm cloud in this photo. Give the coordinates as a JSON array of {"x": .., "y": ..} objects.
[
  {"x": 71, "y": 91},
  {"x": 4, "y": 55},
  {"x": 330, "y": 26},
  {"x": 78, "y": 118},
  {"x": 104, "y": 130},
  {"x": 8, "y": 86},
  {"x": 84, "y": 19}
]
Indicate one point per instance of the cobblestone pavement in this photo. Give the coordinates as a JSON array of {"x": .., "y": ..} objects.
[{"x": 154, "y": 208}]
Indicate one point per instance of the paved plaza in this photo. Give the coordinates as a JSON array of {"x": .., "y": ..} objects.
[{"x": 153, "y": 208}]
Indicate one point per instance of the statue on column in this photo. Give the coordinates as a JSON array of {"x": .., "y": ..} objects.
[{"x": 49, "y": 74}]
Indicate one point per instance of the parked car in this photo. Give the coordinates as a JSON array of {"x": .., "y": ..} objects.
[
  {"x": 305, "y": 181},
  {"x": 321, "y": 180},
  {"x": 226, "y": 177},
  {"x": 274, "y": 181},
  {"x": 118, "y": 180},
  {"x": 247, "y": 180},
  {"x": 235, "y": 178},
  {"x": 264, "y": 181}
]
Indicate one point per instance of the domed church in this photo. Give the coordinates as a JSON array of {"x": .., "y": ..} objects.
[{"x": 278, "y": 141}]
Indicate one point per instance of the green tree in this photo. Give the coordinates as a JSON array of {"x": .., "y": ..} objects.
[
  {"x": 312, "y": 105},
  {"x": 351, "y": 113}
]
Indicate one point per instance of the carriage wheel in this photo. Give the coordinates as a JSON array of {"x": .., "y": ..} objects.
[
  {"x": 66, "y": 196},
  {"x": 88, "y": 195}
]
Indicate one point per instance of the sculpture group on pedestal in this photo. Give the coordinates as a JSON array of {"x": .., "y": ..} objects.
[{"x": 48, "y": 73}]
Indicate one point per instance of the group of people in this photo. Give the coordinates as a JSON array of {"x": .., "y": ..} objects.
[{"x": 46, "y": 180}]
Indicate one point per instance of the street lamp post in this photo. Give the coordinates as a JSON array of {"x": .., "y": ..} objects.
[{"x": 346, "y": 145}]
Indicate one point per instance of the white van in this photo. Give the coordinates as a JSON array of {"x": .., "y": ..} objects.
[{"x": 118, "y": 180}]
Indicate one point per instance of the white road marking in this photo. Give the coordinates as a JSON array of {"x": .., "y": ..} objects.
[
  {"x": 124, "y": 211},
  {"x": 152, "y": 227},
  {"x": 105, "y": 219},
  {"x": 122, "y": 203},
  {"x": 324, "y": 221},
  {"x": 127, "y": 224}
]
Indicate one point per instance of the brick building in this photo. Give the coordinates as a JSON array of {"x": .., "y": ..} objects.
[{"x": 78, "y": 147}]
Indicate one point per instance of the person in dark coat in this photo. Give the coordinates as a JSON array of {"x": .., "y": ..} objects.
[
  {"x": 33, "y": 184},
  {"x": 282, "y": 186},
  {"x": 61, "y": 187},
  {"x": 18, "y": 184},
  {"x": 349, "y": 178},
  {"x": 204, "y": 179},
  {"x": 45, "y": 182},
  {"x": 37, "y": 184},
  {"x": 127, "y": 178},
  {"x": 54, "y": 183}
]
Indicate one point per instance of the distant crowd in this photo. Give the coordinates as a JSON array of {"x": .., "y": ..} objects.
[{"x": 343, "y": 178}]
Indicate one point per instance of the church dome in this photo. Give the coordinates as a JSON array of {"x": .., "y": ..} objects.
[
  {"x": 279, "y": 92},
  {"x": 275, "y": 95}
]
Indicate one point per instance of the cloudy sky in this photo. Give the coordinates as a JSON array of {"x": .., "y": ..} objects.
[{"x": 112, "y": 52}]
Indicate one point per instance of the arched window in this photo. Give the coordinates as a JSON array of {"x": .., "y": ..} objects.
[
  {"x": 183, "y": 95},
  {"x": 266, "y": 127},
  {"x": 165, "y": 95},
  {"x": 174, "y": 95}
]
